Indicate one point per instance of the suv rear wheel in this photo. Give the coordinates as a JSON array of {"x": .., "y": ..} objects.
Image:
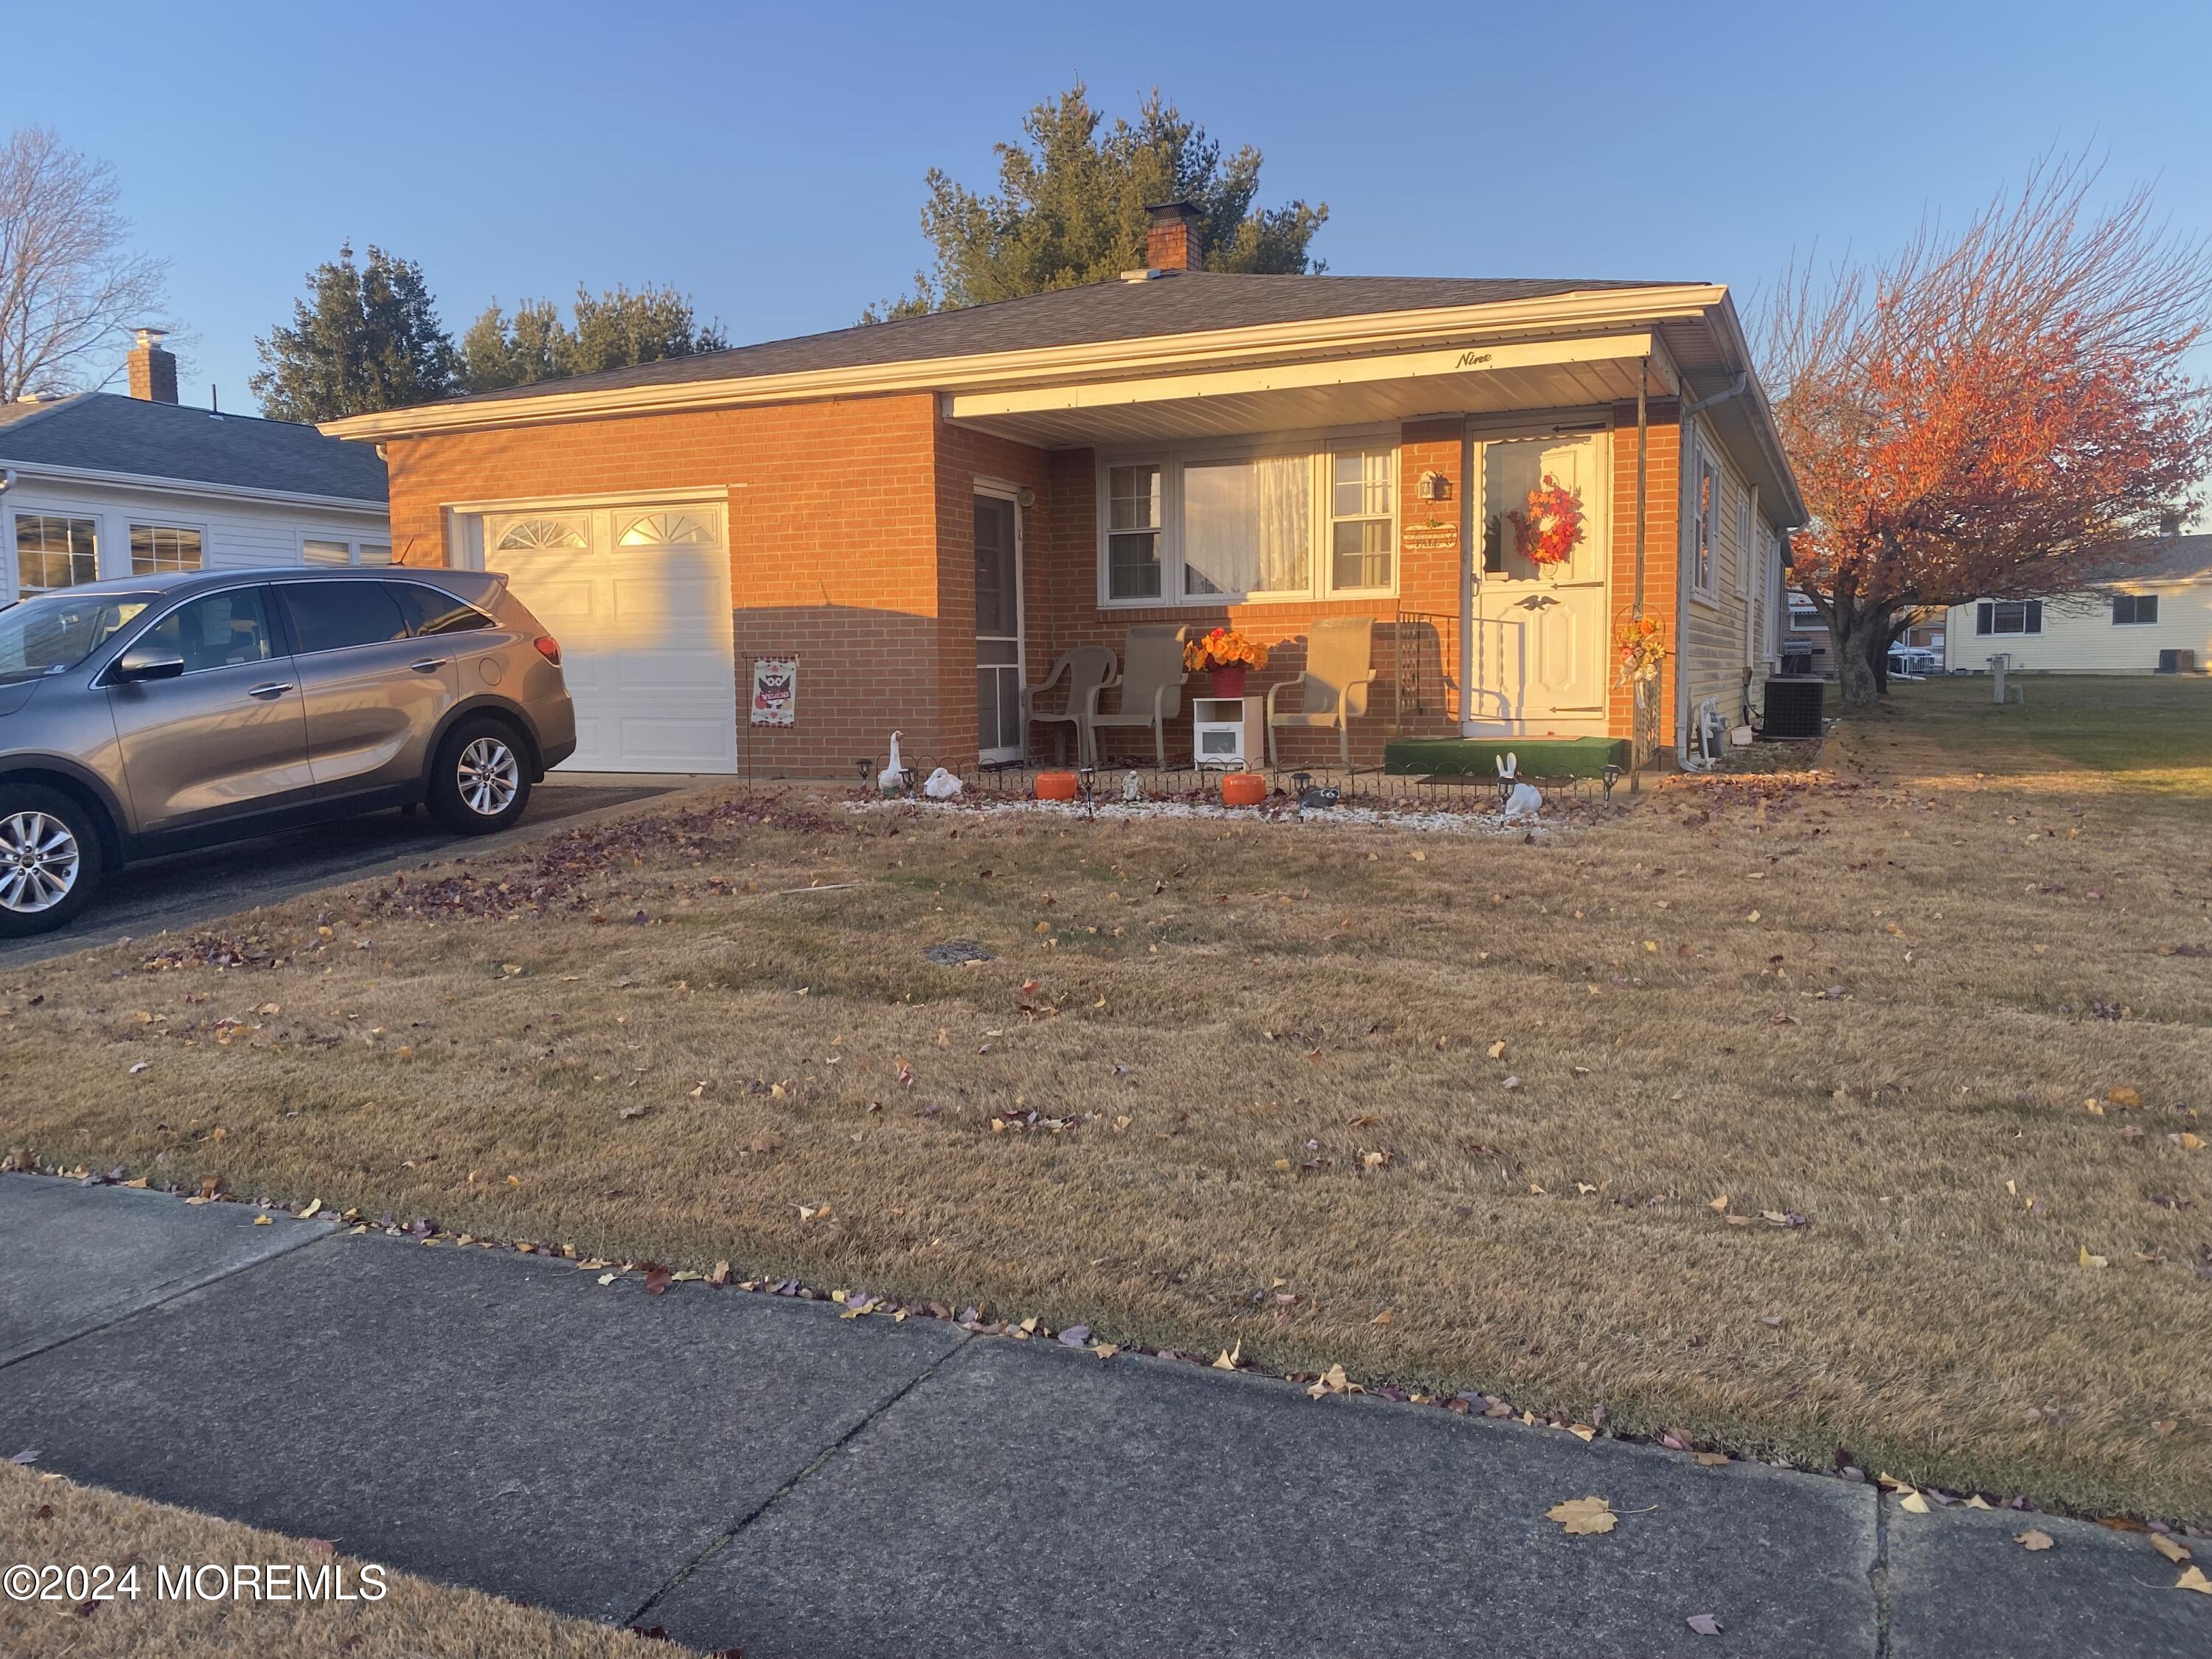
[
  {"x": 479, "y": 783},
  {"x": 49, "y": 860}
]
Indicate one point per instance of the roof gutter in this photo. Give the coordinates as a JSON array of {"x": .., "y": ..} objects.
[{"x": 1564, "y": 315}]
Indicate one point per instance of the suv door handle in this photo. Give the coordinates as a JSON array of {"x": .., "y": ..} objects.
[
  {"x": 267, "y": 690},
  {"x": 426, "y": 665}
]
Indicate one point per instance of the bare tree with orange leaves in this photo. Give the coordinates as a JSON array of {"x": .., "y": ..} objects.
[{"x": 2002, "y": 412}]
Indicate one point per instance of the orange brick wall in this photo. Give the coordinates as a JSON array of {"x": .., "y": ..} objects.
[
  {"x": 851, "y": 529},
  {"x": 835, "y": 553}
]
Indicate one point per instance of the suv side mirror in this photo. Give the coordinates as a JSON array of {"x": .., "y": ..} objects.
[{"x": 148, "y": 662}]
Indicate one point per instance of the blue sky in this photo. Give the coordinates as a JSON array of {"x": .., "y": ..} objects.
[{"x": 770, "y": 161}]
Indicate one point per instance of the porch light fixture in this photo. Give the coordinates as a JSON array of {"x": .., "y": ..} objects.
[{"x": 1434, "y": 487}]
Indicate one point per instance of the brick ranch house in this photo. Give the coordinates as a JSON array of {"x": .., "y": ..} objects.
[{"x": 925, "y": 513}]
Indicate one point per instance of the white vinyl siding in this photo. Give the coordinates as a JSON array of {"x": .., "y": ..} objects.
[
  {"x": 235, "y": 534},
  {"x": 2083, "y": 634}
]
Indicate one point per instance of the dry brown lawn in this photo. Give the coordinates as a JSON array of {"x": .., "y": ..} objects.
[
  {"x": 50, "y": 1520},
  {"x": 1860, "y": 1116}
]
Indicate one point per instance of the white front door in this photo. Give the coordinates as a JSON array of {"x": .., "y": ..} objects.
[
  {"x": 639, "y": 598},
  {"x": 1536, "y": 636}
]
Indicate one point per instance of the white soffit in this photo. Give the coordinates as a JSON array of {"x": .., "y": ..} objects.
[{"x": 1332, "y": 392}]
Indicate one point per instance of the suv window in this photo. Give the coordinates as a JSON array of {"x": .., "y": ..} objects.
[
  {"x": 428, "y": 611},
  {"x": 331, "y": 615},
  {"x": 219, "y": 631}
]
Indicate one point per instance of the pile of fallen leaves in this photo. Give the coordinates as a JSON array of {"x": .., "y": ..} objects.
[{"x": 215, "y": 951}]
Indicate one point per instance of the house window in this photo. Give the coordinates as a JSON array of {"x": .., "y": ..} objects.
[
  {"x": 2008, "y": 617},
  {"x": 1234, "y": 527},
  {"x": 1133, "y": 522},
  {"x": 1247, "y": 527},
  {"x": 158, "y": 547},
  {"x": 51, "y": 551},
  {"x": 1360, "y": 518},
  {"x": 1803, "y": 613},
  {"x": 2134, "y": 609},
  {"x": 1705, "y": 528},
  {"x": 372, "y": 552}
]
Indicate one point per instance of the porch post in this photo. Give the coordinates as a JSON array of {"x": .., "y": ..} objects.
[{"x": 1642, "y": 441}]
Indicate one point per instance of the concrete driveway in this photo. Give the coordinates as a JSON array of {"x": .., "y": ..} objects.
[{"x": 193, "y": 888}]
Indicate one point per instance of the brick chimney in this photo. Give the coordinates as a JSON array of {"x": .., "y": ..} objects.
[
  {"x": 153, "y": 368},
  {"x": 1172, "y": 242}
]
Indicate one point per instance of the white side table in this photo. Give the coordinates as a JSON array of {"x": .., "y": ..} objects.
[{"x": 1228, "y": 731}]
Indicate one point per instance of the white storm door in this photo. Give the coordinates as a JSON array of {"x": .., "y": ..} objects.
[{"x": 1538, "y": 633}]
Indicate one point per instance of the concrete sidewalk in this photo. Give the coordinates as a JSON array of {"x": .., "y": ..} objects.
[{"x": 755, "y": 1471}]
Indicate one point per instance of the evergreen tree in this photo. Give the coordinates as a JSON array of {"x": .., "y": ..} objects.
[
  {"x": 1070, "y": 208},
  {"x": 367, "y": 339},
  {"x": 610, "y": 330}
]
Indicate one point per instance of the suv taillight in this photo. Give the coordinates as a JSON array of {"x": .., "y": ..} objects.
[{"x": 549, "y": 648}]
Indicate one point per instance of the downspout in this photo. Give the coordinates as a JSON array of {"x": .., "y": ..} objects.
[{"x": 1736, "y": 388}]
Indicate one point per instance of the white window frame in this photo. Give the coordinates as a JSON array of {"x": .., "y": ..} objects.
[
  {"x": 133, "y": 522},
  {"x": 1701, "y": 578},
  {"x": 2023, "y": 632},
  {"x": 352, "y": 543},
  {"x": 101, "y": 543},
  {"x": 1318, "y": 450}
]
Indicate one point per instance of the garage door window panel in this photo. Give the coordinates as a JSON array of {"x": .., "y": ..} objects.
[{"x": 528, "y": 535}]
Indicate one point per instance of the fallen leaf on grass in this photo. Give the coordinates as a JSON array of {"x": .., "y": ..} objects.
[
  {"x": 314, "y": 1207},
  {"x": 1498, "y": 1050},
  {"x": 1583, "y": 1516},
  {"x": 2174, "y": 1552},
  {"x": 2124, "y": 1095},
  {"x": 1719, "y": 1206},
  {"x": 2033, "y": 1539},
  {"x": 1229, "y": 1356},
  {"x": 2089, "y": 1261},
  {"x": 1333, "y": 1381},
  {"x": 1704, "y": 1623},
  {"x": 1711, "y": 1459}
]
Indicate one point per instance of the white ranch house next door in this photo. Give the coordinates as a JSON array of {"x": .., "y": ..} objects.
[
  {"x": 1536, "y": 636},
  {"x": 639, "y": 598}
]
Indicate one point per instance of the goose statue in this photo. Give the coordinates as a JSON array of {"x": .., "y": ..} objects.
[
  {"x": 1522, "y": 800},
  {"x": 940, "y": 785},
  {"x": 892, "y": 778}
]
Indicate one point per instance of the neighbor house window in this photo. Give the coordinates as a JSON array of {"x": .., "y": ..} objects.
[
  {"x": 2134, "y": 609},
  {"x": 51, "y": 551},
  {"x": 1250, "y": 526},
  {"x": 158, "y": 547},
  {"x": 1705, "y": 525},
  {"x": 1133, "y": 522},
  {"x": 1360, "y": 527},
  {"x": 1803, "y": 613},
  {"x": 317, "y": 550},
  {"x": 2008, "y": 617}
]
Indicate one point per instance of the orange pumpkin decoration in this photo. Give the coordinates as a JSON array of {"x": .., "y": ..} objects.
[
  {"x": 1242, "y": 788},
  {"x": 1056, "y": 786}
]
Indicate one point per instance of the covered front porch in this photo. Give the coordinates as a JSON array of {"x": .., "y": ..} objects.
[{"x": 1277, "y": 499}]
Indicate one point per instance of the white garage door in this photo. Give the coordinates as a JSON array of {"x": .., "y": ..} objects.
[{"x": 640, "y": 599}]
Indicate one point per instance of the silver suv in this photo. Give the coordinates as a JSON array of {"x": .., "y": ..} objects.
[{"x": 154, "y": 714}]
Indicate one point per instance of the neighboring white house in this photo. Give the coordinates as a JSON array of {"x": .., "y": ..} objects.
[
  {"x": 2156, "y": 618},
  {"x": 100, "y": 485}
]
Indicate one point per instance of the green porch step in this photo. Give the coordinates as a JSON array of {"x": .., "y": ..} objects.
[{"x": 1539, "y": 757}]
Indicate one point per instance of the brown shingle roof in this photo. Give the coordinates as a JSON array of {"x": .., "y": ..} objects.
[{"x": 1183, "y": 302}]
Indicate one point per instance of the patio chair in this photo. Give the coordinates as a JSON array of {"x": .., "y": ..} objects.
[
  {"x": 1151, "y": 687},
  {"x": 1333, "y": 687},
  {"x": 1084, "y": 668}
]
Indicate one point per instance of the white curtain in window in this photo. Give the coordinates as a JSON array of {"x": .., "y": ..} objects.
[{"x": 1247, "y": 525}]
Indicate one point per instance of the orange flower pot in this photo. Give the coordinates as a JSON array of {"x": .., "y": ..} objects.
[
  {"x": 1057, "y": 785},
  {"x": 1242, "y": 788}
]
